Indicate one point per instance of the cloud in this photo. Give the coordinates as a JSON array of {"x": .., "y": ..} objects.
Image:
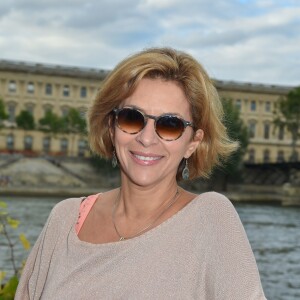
[{"x": 249, "y": 40}]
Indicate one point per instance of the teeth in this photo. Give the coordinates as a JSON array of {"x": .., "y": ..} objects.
[{"x": 147, "y": 158}]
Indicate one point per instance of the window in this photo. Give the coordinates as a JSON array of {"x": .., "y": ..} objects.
[
  {"x": 251, "y": 157},
  {"x": 252, "y": 129},
  {"x": 64, "y": 111},
  {"x": 266, "y": 131},
  {"x": 253, "y": 105},
  {"x": 48, "y": 89},
  {"x": 66, "y": 91},
  {"x": 28, "y": 142},
  {"x": 30, "y": 88},
  {"x": 46, "y": 144},
  {"x": 83, "y": 92},
  {"x": 281, "y": 133},
  {"x": 64, "y": 146},
  {"x": 10, "y": 142},
  {"x": 47, "y": 108},
  {"x": 268, "y": 106},
  {"x": 294, "y": 156},
  {"x": 266, "y": 156},
  {"x": 238, "y": 104},
  {"x": 12, "y": 86},
  {"x": 30, "y": 108},
  {"x": 81, "y": 147},
  {"x": 82, "y": 112},
  {"x": 280, "y": 156},
  {"x": 11, "y": 112}
]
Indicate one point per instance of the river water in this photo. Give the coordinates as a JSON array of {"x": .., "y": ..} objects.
[{"x": 273, "y": 232}]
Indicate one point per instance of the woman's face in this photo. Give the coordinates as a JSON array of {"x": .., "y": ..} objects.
[{"x": 146, "y": 159}]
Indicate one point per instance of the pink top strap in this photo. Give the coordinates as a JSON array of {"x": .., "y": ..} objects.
[{"x": 85, "y": 207}]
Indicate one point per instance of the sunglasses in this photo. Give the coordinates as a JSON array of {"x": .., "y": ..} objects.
[{"x": 168, "y": 127}]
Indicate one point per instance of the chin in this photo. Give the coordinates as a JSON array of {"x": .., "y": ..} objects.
[{"x": 142, "y": 178}]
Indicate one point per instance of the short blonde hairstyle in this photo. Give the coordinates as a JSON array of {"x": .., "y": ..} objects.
[{"x": 172, "y": 65}]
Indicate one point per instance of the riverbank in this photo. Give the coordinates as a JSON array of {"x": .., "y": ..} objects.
[
  {"x": 239, "y": 194},
  {"x": 50, "y": 192},
  {"x": 44, "y": 176}
]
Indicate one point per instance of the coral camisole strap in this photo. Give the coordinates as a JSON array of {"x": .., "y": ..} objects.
[{"x": 85, "y": 207}]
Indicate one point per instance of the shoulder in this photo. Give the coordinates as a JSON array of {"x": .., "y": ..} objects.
[
  {"x": 214, "y": 200},
  {"x": 66, "y": 209},
  {"x": 216, "y": 209},
  {"x": 70, "y": 203}
]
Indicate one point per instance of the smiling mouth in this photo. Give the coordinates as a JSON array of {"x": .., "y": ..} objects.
[{"x": 146, "y": 158}]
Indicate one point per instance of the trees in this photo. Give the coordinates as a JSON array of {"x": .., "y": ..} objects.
[
  {"x": 287, "y": 116},
  {"x": 74, "y": 124},
  {"x": 71, "y": 124},
  {"x": 237, "y": 131},
  {"x": 51, "y": 123},
  {"x": 3, "y": 114},
  {"x": 25, "y": 120}
]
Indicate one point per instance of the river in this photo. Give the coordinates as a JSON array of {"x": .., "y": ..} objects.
[{"x": 273, "y": 232}]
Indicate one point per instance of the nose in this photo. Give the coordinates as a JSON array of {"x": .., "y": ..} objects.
[{"x": 148, "y": 136}]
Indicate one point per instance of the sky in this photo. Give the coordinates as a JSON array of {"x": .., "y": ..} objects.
[{"x": 255, "y": 41}]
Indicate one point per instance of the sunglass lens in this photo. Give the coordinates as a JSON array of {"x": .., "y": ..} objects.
[
  {"x": 169, "y": 128},
  {"x": 130, "y": 120}
]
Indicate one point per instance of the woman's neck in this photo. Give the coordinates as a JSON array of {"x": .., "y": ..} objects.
[{"x": 142, "y": 202}]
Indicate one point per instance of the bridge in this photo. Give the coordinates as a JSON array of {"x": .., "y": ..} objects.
[{"x": 271, "y": 173}]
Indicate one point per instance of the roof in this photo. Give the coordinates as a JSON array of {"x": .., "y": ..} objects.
[
  {"x": 100, "y": 74},
  {"x": 51, "y": 69}
]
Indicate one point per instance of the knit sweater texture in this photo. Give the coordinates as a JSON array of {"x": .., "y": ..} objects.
[{"x": 201, "y": 252}]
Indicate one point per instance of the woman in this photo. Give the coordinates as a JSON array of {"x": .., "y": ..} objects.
[{"x": 158, "y": 116}]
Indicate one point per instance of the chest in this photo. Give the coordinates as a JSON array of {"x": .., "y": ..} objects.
[{"x": 168, "y": 269}]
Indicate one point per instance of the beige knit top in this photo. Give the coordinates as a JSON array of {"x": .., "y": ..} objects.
[{"x": 201, "y": 252}]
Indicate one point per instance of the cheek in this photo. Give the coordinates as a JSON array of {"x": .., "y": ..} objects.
[
  {"x": 120, "y": 138},
  {"x": 179, "y": 147}
]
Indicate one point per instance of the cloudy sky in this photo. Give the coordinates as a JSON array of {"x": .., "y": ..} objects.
[{"x": 242, "y": 40}]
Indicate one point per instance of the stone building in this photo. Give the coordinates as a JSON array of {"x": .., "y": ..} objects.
[
  {"x": 256, "y": 103},
  {"x": 38, "y": 88}
]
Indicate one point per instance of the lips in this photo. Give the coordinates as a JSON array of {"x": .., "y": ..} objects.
[{"x": 146, "y": 159}]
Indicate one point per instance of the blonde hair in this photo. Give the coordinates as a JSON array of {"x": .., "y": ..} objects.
[{"x": 168, "y": 64}]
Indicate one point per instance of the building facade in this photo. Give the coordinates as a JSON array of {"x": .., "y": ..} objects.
[
  {"x": 256, "y": 103},
  {"x": 38, "y": 88}
]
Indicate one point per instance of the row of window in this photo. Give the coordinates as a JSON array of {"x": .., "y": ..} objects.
[
  {"x": 266, "y": 156},
  {"x": 11, "y": 110},
  {"x": 252, "y": 126},
  {"x": 253, "y": 105},
  {"x": 266, "y": 130},
  {"x": 12, "y": 88},
  {"x": 28, "y": 144}
]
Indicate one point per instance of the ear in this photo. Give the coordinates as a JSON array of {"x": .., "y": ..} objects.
[{"x": 194, "y": 143}]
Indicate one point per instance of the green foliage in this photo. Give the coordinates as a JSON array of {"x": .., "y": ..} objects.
[
  {"x": 74, "y": 123},
  {"x": 25, "y": 120},
  {"x": 237, "y": 131},
  {"x": 3, "y": 114},
  {"x": 71, "y": 123},
  {"x": 51, "y": 122},
  {"x": 9, "y": 289},
  {"x": 104, "y": 166},
  {"x": 287, "y": 115},
  {"x": 8, "y": 227}
]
